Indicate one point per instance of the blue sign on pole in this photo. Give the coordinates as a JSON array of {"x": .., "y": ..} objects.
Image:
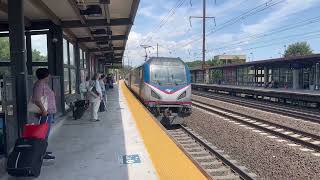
[{"x": 131, "y": 159}]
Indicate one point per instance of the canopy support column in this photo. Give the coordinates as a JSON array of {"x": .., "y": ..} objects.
[
  {"x": 77, "y": 62},
  {"x": 18, "y": 58}
]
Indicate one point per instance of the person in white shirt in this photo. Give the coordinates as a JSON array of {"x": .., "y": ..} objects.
[
  {"x": 84, "y": 86},
  {"x": 95, "y": 96}
]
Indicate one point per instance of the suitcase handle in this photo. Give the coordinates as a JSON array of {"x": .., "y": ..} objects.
[{"x": 46, "y": 119}]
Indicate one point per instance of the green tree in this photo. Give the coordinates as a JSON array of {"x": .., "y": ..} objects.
[
  {"x": 210, "y": 62},
  {"x": 36, "y": 56},
  {"x": 298, "y": 49},
  {"x": 4, "y": 49},
  {"x": 194, "y": 63}
]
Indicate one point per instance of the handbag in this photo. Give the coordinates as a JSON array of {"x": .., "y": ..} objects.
[
  {"x": 38, "y": 131},
  {"x": 33, "y": 108},
  {"x": 102, "y": 107},
  {"x": 93, "y": 88}
]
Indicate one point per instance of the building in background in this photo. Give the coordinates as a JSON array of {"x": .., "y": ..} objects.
[{"x": 231, "y": 59}]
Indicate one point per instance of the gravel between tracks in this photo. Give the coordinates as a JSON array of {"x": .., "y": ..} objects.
[
  {"x": 310, "y": 127},
  {"x": 266, "y": 157}
]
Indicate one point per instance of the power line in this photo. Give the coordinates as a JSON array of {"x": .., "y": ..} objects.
[
  {"x": 247, "y": 11},
  {"x": 241, "y": 17},
  {"x": 164, "y": 20},
  {"x": 273, "y": 32},
  {"x": 308, "y": 36}
]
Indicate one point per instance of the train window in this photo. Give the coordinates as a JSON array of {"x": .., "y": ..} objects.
[
  {"x": 174, "y": 75},
  {"x": 136, "y": 75}
]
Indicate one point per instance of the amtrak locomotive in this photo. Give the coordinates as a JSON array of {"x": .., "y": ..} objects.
[{"x": 163, "y": 85}]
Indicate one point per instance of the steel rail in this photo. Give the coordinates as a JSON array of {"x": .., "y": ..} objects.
[
  {"x": 279, "y": 110},
  {"x": 222, "y": 112}
]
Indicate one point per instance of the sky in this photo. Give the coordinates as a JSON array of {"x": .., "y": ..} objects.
[{"x": 260, "y": 29}]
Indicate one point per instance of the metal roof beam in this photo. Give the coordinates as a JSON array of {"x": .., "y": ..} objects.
[
  {"x": 77, "y": 11},
  {"x": 107, "y": 49},
  {"x": 118, "y": 60},
  {"x": 44, "y": 8},
  {"x": 97, "y": 22},
  {"x": 4, "y": 8},
  {"x": 51, "y": 15},
  {"x": 104, "y": 56},
  {"x": 103, "y": 38}
]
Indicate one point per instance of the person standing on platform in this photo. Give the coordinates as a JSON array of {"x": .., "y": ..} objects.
[
  {"x": 95, "y": 96},
  {"x": 41, "y": 88},
  {"x": 105, "y": 80},
  {"x": 103, "y": 88},
  {"x": 84, "y": 86}
]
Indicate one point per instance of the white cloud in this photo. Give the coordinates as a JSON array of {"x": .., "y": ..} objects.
[
  {"x": 148, "y": 11},
  {"x": 174, "y": 38},
  {"x": 279, "y": 15},
  {"x": 238, "y": 49}
]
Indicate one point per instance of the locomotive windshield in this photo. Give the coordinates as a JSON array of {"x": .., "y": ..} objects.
[{"x": 168, "y": 75}]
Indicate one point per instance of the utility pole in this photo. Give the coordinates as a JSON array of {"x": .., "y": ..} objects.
[
  {"x": 203, "y": 17},
  {"x": 157, "y": 50},
  {"x": 204, "y": 35},
  {"x": 145, "y": 50}
]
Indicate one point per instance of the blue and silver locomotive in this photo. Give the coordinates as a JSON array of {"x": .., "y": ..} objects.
[{"x": 163, "y": 85}]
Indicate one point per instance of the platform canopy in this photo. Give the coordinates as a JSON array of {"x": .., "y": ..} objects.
[{"x": 100, "y": 26}]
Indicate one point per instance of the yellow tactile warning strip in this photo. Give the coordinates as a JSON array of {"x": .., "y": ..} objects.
[{"x": 169, "y": 161}]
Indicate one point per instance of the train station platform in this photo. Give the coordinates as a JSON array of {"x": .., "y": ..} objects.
[
  {"x": 296, "y": 94},
  {"x": 127, "y": 143}
]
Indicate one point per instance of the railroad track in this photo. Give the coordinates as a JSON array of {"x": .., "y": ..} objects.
[
  {"x": 291, "y": 112},
  {"x": 212, "y": 161},
  {"x": 300, "y": 137}
]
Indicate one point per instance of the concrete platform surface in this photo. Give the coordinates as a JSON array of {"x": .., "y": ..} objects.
[{"x": 88, "y": 150}]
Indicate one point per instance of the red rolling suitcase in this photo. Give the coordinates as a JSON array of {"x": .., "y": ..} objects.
[{"x": 38, "y": 131}]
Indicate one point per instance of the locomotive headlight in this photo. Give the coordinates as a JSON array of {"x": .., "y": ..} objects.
[
  {"x": 155, "y": 95},
  {"x": 182, "y": 95}
]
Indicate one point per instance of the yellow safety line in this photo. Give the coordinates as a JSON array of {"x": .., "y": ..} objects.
[{"x": 169, "y": 161}]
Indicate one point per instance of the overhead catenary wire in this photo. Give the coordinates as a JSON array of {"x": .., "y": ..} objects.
[
  {"x": 306, "y": 36},
  {"x": 164, "y": 20},
  {"x": 273, "y": 32},
  {"x": 266, "y": 5},
  {"x": 288, "y": 27}
]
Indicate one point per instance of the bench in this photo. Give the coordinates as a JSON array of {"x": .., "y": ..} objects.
[{"x": 70, "y": 100}]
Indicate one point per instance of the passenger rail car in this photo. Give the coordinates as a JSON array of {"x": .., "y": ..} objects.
[{"x": 163, "y": 85}]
